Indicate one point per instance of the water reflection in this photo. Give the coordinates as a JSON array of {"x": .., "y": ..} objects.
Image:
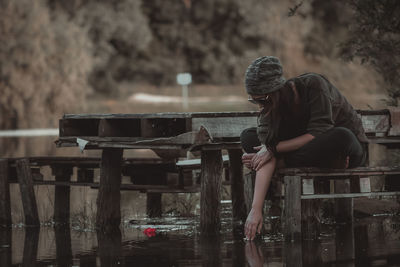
[{"x": 371, "y": 242}]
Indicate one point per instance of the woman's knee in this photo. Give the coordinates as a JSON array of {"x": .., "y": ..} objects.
[
  {"x": 343, "y": 135},
  {"x": 249, "y": 139}
]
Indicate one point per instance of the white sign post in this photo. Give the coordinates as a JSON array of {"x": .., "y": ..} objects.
[{"x": 184, "y": 79}]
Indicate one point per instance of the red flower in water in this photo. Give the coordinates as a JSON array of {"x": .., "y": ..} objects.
[{"x": 150, "y": 232}]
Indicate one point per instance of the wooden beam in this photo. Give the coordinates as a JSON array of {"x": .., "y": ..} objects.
[
  {"x": 351, "y": 195},
  {"x": 210, "y": 201},
  {"x": 237, "y": 185},
  {"x": 292, "y": 208},
  {"x": 5, "y": 206},
  {"x": 62, "y": 194},
  {"x": 27, "y": 192},
  {"x": 109, "y": 196}
]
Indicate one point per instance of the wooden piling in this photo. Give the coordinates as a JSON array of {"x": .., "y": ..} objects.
[
  {"x": 210, "y": 201},
  {"x": 108, "y": 199},
  {"x": 292, "y": 208},
  {"x": 62, "y": 194},
  {"x": 63, "y": 246},
  {"x": 5, "y": 207},
  {"x": 110, "y": 247},
  {"x": 237, "y": 184},
  {"x": 31, "y": 244},
  {"x": 5, "y": 247},
  {"x": 343, "y": 207},
  {"x": 153, "y": 205},
  {"x": 27, "y": 193},
  {"x": 310, "y": 219}
]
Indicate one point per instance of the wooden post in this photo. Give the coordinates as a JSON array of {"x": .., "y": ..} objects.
[
  {"x": 292, "y": 208},
  {"x": 62, "y": 194},
  {"x": 153, "y": 205},
  {"x": 27, "y": 192},
  {"x": 63, "y": 246},
  {"x": 210, "y": 201},
  {"x": 5, "y": 207},
  {"x": 5, "y": 247},
  {"x": 210, "y": 248},
  {"x": 237, "y": 184},
  {"x": 343, "y": 206},
  {"x": 109, "y": 196},
  {"x": 31, "y": 244},
  {"x": 293, "y": 253},
  {"x": 344, "y": 242},
  {"x": 110, "y": 247},
  {"x": 310, "y": 219}
]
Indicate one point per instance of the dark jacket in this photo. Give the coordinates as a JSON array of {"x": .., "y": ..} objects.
[{"x": 322, "y": 107}]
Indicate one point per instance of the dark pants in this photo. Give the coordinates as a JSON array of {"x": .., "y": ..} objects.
[{"x": 327, "y": 150}]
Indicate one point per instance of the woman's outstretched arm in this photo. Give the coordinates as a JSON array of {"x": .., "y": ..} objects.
[{"x": 263, "y": 179}]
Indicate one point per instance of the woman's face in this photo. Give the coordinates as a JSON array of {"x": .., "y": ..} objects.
[{"x": 261, "y": 100}]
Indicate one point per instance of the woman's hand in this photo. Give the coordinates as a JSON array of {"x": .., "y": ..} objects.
[
  {"x": 247, "y": 158},
  {"x": 261, "y": 157},
  {"x": 253, "y": 224}
]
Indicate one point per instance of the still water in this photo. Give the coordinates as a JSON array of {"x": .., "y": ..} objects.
[{"x": 175, "y": 241}]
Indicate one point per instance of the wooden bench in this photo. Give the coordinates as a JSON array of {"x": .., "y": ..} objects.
[{"x": 180, "y": 132}]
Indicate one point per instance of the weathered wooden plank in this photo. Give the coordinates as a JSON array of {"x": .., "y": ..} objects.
[
  {"x": 237, "y": 185},
  {"x": 62, "y": 194},
  {"x": 310, "y": 219},
  {"x": 339, "y": 172},
  {"x": 350, "y": 195},
  {"x": 210, "y": 206},
  {"x": 108, "y": 199},
  {"x": 27, "y": 193},
  {"x": 5, "y": 206},
  {"x": 394, "y": 121},
  {"x": 165, "y": 115},
  {"x": 292, "y": 208},
  {"x": 375, "y": 123},
  {"x": 224, "y": 127},
  {"x": 308, "y": 186}
]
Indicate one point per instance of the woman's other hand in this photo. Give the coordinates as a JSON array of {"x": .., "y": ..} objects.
[
  {"x": 261, "y": 157},
  {"x": 253, "y": 224},
  {"x": 247, "y": 158},
  {"x": 254, "y": 255}
]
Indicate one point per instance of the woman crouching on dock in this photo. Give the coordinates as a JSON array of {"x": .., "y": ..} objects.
[{"x": 305, "y": 121}]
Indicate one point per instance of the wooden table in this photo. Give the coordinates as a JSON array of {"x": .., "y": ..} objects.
[{"x": 166, "y": 133}]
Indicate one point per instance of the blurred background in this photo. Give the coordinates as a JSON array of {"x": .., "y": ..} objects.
[{"x": 122, "y": 56}]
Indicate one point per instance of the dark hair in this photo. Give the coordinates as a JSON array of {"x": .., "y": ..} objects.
[{"x": 283, "y": 102}]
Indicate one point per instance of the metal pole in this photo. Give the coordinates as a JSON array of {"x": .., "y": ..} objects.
[{"x": 185, "y": 97}]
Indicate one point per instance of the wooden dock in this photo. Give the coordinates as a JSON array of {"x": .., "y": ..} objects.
[{"x": 171, "y": 135}]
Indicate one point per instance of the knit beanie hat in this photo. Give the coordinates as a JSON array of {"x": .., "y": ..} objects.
[{"x": 264, "y": 76}]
